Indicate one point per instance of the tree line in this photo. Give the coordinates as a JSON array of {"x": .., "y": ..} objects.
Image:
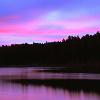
[{"x": 73, "y": 50}]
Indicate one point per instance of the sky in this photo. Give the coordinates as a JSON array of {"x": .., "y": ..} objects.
[{"x": 28, "y": 21}]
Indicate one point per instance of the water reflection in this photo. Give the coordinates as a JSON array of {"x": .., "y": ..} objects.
[
  {"x": 43, "y": 73},
  {"x": 40, "y": 84},
  {"x": 13, "y": 91}
]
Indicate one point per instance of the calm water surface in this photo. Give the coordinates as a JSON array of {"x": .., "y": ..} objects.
[{"x": 16, "y": 91}]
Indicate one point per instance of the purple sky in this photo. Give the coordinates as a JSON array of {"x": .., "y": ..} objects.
[{"x": 47, "y": 20}]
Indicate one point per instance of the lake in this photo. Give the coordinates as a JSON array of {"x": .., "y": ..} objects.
[{"x": 38, "y": 83}]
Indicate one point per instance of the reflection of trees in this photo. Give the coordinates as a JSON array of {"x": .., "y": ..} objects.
[{"x": 71, "y": 50}]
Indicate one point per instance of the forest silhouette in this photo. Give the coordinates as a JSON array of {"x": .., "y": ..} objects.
[{"x": 68, "y": 52}]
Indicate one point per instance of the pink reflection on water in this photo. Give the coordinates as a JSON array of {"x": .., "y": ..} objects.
[
  {"x": 42, "y": 73},
  {"x": 11, "y": 91},
  {"x": 16, "y": 92}
]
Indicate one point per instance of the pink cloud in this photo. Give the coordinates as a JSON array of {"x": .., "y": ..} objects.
[{"x": 32, "y": 28}]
